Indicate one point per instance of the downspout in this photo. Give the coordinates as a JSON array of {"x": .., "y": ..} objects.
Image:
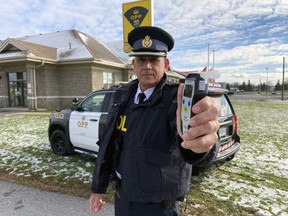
[{"x": 34, "y": 80}]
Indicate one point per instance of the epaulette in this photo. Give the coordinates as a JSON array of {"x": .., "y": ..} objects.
[{"x": 169, "y": 83}]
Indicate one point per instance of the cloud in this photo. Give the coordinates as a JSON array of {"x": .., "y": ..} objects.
[{"x": 248, "y": 36}]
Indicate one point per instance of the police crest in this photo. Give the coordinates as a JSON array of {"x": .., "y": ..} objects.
[{"x": 147, "y": 42}]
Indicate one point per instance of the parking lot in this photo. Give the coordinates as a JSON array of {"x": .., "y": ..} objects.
[{"x": 246, "y": 96}]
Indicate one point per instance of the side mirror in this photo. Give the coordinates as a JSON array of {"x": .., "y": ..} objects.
[{"x": 75, "y": 100}]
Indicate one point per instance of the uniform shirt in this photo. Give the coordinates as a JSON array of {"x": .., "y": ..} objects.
[{"x": 148, "y": 92}]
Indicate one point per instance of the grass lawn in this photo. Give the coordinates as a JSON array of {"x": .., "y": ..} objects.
[{"x": 255, "y": 181}]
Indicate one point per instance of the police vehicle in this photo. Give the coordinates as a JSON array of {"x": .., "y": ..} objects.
[{"x": 79, "y": 129}]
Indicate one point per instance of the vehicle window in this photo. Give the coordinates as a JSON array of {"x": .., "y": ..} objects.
[
  {"x": 224, "y": 108},
  {"x": 93, "y": 103}
]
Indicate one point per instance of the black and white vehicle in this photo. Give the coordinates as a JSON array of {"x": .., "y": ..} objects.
[{"x": 79, "y": 129}]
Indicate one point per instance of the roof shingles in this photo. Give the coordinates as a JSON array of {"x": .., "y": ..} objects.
[{"x": 71, "y": 45}]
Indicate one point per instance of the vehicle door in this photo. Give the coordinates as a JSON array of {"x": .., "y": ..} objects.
[{"x": 84, "y": 124}]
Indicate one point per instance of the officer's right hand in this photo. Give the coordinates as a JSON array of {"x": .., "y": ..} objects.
[
  {"x": 95, "y": 202},
  {"x": 202, "y": 134}
]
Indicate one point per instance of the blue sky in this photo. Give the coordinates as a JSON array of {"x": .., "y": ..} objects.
[{"x": 247, "y": 36}]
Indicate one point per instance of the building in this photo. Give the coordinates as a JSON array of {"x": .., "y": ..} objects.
[{"x": 49, "y": 70}]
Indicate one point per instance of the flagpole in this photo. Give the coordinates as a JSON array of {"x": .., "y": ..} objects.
[{"x": 208, "y": 57}]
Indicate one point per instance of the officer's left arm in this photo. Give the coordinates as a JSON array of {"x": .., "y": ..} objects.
[{"x": 199, "y": 145}]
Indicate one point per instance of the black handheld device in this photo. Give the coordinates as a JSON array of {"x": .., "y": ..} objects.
[{"x": 195, "y": 88}]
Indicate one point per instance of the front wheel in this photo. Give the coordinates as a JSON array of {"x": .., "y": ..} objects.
[{"x": 59, "y": 143}]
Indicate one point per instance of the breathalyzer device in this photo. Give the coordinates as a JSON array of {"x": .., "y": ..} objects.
[{"x": 195, "y": 88}]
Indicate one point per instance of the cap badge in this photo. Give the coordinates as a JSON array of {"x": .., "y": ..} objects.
[{"x": 147, "y": 42}]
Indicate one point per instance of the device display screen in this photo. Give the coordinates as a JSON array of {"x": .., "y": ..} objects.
[{"x": 188, "y": 90}]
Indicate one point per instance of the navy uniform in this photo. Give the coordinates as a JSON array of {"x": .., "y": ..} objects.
[{"x": 140, "y": 149}]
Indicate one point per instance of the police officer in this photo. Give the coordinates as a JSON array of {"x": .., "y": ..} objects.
[{"x": 148, "y": 161}]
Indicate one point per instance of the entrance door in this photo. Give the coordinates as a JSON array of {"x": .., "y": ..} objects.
[{"x": 17, "y": 90}]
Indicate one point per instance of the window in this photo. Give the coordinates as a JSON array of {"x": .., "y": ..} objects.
[
  {"x": 223, "y": 106},
  {"x": 107, "y": 79},
  {"x": 17, "y": 89},
  {"x": 93, "y": 103}
]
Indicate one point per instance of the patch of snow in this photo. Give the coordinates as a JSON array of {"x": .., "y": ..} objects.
[
  {"x": 23, "y": 147},
  {"x": 265, "y": 155}
]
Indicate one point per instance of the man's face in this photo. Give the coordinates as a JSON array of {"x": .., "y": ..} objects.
[{"x": 149, "y": 70}]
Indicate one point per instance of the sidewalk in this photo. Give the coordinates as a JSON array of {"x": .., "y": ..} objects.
[
  {"x": 9, "y": 110},
  {"x": 25, "y": 201}
]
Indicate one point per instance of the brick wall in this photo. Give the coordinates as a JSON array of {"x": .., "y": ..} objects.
[{"x": 57, "y": 85}]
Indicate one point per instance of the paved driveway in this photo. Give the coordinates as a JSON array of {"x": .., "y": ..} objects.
[
  {"x": 9, "y": 110},
  {"x": 18, "y": 200}
]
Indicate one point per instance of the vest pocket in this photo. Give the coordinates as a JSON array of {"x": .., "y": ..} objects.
[{"x": 157, "y": 172}]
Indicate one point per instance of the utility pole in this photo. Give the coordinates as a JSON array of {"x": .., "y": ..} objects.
[
  {"x": 267, "y": 82},
  {"x": 213, "y": 68},
  {"x": 282, "y": 97}
]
